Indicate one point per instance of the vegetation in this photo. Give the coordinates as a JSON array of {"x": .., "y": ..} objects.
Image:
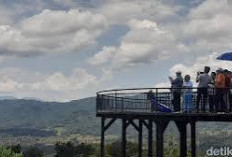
[
  {"x": 114, "y": 149},
  {"x": 41, "y": 124},
  {"x": 43, "y": 119},
  {"x": 69, "y": 149},
  {"x": 33, "y": 152},
  {"x": 4, "y": 152},
  {"x": 15, "y": 148}
]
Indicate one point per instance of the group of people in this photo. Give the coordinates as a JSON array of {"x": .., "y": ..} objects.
[{"x": 212, "y": 89}]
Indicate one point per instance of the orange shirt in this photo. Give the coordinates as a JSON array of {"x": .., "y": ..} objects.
[
  {"x": 227, "y": 80},
  {"x": 220, "y": 81}
]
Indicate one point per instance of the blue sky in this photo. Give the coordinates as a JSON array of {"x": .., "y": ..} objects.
[{"x": 59, "y": 50}]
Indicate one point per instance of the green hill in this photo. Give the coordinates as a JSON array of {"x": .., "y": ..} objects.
[
  {"x": 77, "y": 116},
  {"x": 20, "y": 117}
]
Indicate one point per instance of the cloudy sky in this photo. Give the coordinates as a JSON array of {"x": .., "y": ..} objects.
[{"x": 60, "y": 50}]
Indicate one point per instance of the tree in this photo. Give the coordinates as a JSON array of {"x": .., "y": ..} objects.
[
  {"x": 85, "y": 150},
  {"x": 114, "y": 149},
  {"x": 64, "y": 149},
  {"x": 15, "y": 148},
  {"x": 69, "y": 150},
  {"x": 33, "y": 152},
  {"x": 4, "y": 152},
  {"x": 172, "y": 148}
]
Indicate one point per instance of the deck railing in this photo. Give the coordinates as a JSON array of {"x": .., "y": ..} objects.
[{"x": 137, "y": 100}]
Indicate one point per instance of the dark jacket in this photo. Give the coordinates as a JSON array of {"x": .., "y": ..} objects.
[{"x": 177, "y": 83}]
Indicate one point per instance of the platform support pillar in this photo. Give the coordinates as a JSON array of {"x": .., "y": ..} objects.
[
  {"x": 193, "y": 138},
  {"x": 161, "y": 125},
  {"x": 124, "y": 141},
  {"x": 103, "y": 130},
  {"x": 102, "y": 137},
  {"x": 182, "y": 127},
  {"x": 140, "y": 138},
  {"x": 150, "y": 138}
]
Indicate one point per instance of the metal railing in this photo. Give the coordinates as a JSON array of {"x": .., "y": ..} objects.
[{"x": 142, "y": 100}]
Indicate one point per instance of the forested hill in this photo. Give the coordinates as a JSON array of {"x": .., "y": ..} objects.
[
  {"x": 21, "y": 117},
  {"x": 77, "y": 116}
]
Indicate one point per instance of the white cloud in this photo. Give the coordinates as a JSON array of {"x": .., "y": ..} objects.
[
  {"x": 208, "y": 27},
  {"x": 103, "y": 56},
  {"x": 198, "y": 65},
  {"x": 8, "y": 85},
  {"x": 64, "y": 3},
  {"x": 56, "y": 86},
  {"x": 79, "y": 79},
  {"x": 144, "y": 43},
  {"x": 62, "y": 22},
  {"x": 210, "y": 8},
  {"x": 163, "y": 85},
  {"x": 52, "y": 32},
  {"x": 154, "y": 34},
  {"x": 121, "y": 11}
]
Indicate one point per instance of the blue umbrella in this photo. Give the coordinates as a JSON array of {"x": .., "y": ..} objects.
[{"x": 225, "y": 56}]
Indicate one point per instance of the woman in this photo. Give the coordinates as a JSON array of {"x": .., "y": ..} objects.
[{"x": 188, "y": 93}]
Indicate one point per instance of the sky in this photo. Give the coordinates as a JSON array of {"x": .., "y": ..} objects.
[{"x": 58, "y": 50}]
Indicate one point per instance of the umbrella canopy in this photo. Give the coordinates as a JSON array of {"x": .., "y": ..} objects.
[{"x": 225, "y": 56}]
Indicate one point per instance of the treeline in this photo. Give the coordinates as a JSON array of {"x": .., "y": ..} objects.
[
  {"x": 62, "y": 149},
  {"x": 69, "y": 149}
]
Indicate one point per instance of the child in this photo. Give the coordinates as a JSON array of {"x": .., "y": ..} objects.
[{"x": 188, "y": 93}]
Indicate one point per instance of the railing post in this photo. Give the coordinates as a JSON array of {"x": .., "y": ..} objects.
[
  {"x": 122, "y": 103},
  {"x": 97, "y": 103},
  {"x": 156, "y": 95},
  {"x": 115, "y": 101}
]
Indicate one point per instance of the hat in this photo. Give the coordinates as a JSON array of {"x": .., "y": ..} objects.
[{"x": 178, "y": 72}]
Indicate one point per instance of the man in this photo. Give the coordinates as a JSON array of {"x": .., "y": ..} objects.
[
  {"x": 220, "y": 90},
  {"x": 176, "y": 90},
  {"x": 227, "y": 89},
  {"x": 203, "y": 80},
  {"x": 211, "y": 92}
]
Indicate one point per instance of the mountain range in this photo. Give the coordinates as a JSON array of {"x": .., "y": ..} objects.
[
  {"x": 76, "y": 116},
  {"x": 21, "y": 117}
]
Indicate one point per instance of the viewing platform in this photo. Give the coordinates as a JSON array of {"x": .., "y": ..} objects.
[{"x": 141, "y": 107}]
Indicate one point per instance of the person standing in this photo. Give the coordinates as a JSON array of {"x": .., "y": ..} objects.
[
  {"x": 219, "y": 91},
  {"x": 176, "y": 85},
  {"x": 203, "y": 80},
  {"x": 230, "y": 94},
  {"x": 188, "y": 93},
  {"x": 211, "y": 92},
  {"x": 227, "y": 93}
]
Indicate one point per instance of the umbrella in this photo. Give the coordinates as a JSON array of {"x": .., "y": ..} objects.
[{"x": 225, "y": 56}]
